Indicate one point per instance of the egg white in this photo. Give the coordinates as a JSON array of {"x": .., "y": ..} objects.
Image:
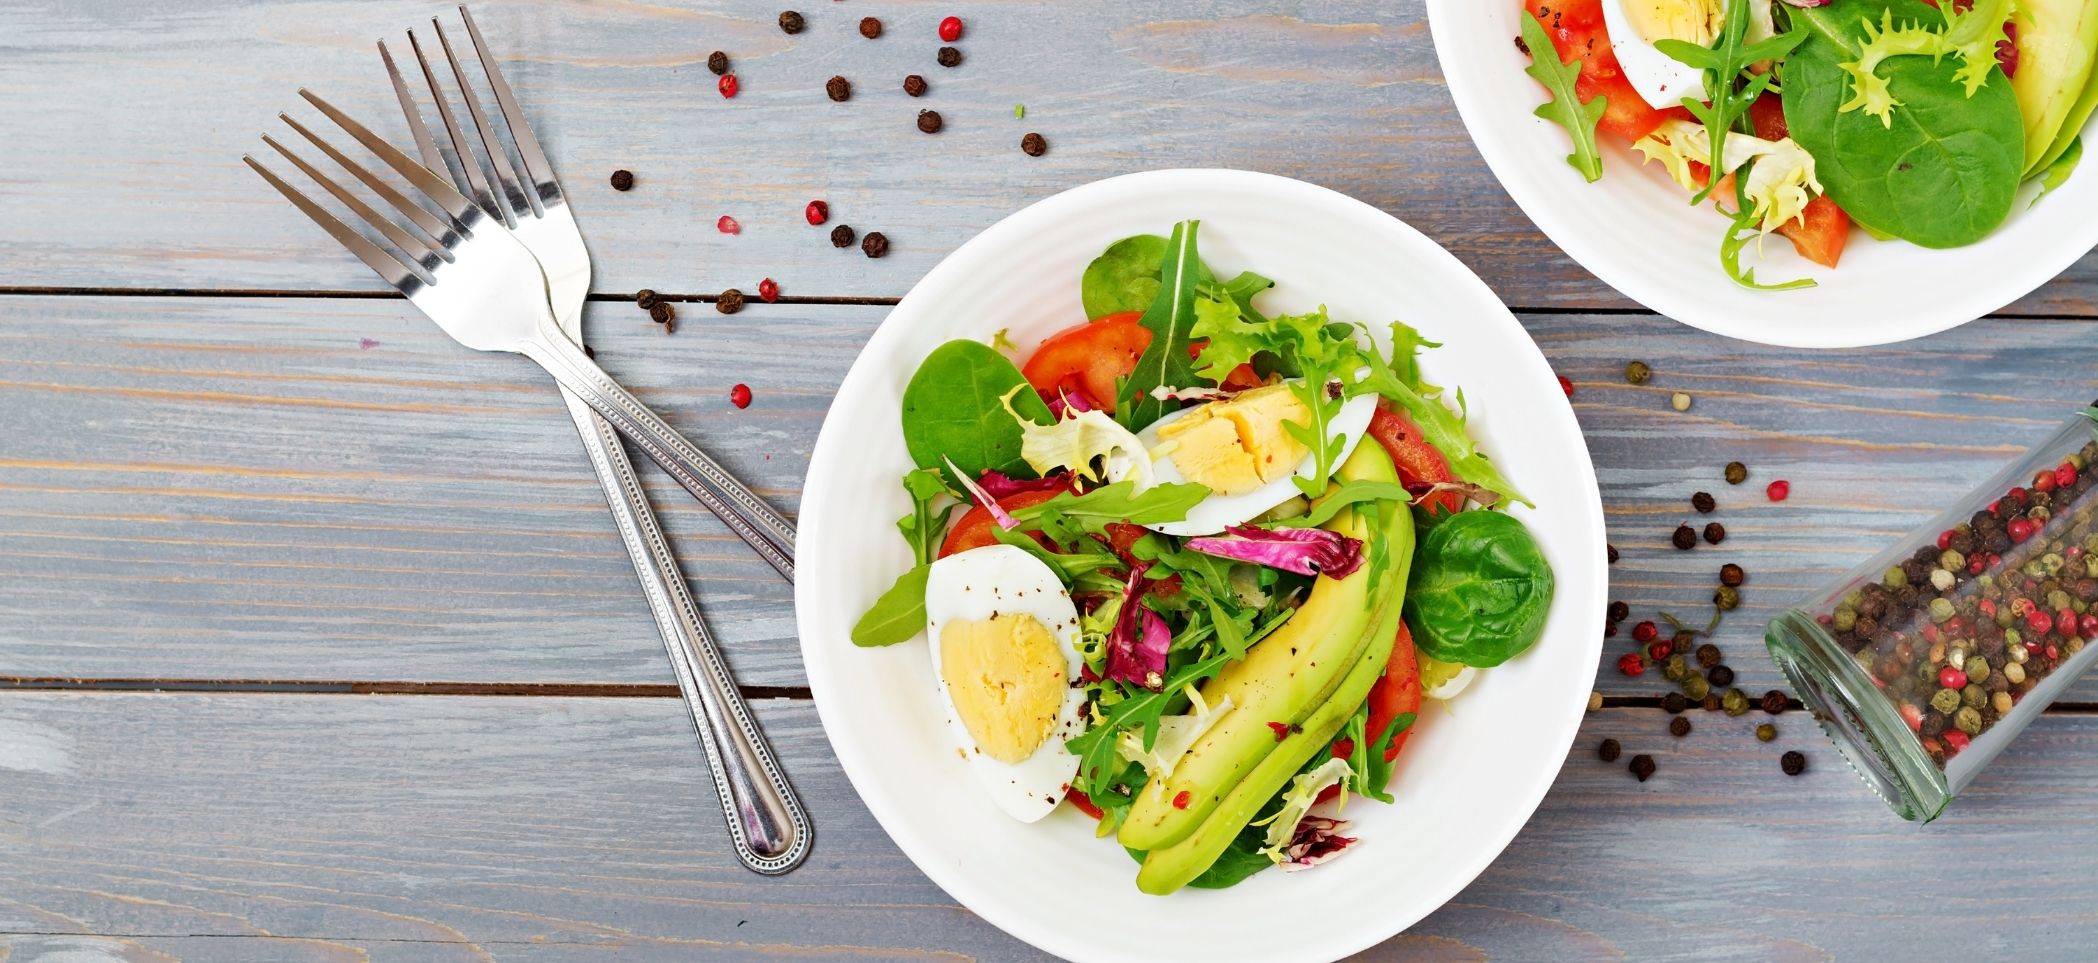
[
  {"x": 996, "y": 580},
  {"x": 1215, "y": 513},
  {"x": 1662, "y": 81}
]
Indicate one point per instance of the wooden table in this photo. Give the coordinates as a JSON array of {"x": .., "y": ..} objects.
[{"x": 318, "y": 642}]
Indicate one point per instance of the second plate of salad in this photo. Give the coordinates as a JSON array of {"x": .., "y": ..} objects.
[
  {"x": 1194, "y": 554},
  {"x": 1818, "y": 173}
]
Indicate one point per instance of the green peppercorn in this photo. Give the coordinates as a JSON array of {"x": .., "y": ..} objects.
[
  {"x": 1967, "y": 720},
  {"x": 1974, "y": 696},
  {"x": 1728, "y": 598},
  {"x": 1736, "y": 473},
  {"x": 1977, "y": 669},
  {"x": 2012, "y": 637},
  {"x": 2014, "y": 672},
  {"x": 1766, "y": 732},
  {"x": 1735, "y": 702},
  {"x": 2072, "y": 647},
  {"x": 1894, "y": 578},
  {"x": 1696, "y": 687},
  {"x": 1941, "y": 609},
  {"x": 1952, "y": 560},
  {"x": 1676, "y": 669},
  {"x": 1946, "y": 701},
  {"x": 1637, "y": 373},
  {"x": 2001, "y": 702},
  {"x": 1846, "y": 619}
]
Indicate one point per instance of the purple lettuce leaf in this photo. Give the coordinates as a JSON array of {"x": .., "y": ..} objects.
[
  {"x": 1305, "y": 551},
  {"x": 1001, "y": 485},
  {"x": 1136, "y": 649}
]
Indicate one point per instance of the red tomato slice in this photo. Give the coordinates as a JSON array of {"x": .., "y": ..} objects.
[
  {"x": 1416, "y": 459},
  {"x": 1083, "y": 803},
  {"x": 1577, "y": 30},
  {"x": 1090, "y": 357},
  {"x": 1397, "y": 692},
  {"x": 1821, "y": 237},
  {"x": 1767, "y": 114},
  {"x": 973, "y": 530}
]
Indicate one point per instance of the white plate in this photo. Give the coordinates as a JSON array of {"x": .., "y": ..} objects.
[
  {"x": 1468, "y": 780},
  {"x": 1635, "y": 230}
]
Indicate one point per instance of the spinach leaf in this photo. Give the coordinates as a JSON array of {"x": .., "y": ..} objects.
[
  {"x": 922, "y": 527},
  {"x": 1479, "y": 590},
  {"x": 1942, "y": 167},
  {"x": 953, "y": 408},
  {"x": 1565, "y": 108},
  {"x": 899, "y": 615},
  {"x": 1171, "y": 321},
  {"x": 1123, "y": 278}
]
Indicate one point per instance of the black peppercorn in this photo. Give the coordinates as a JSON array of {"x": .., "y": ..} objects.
[
  {"x": 1608, "y": 751},
  {"x": 1731, "y": 575},
  {"x": 1033, "y": 145},
  {"x": 1679, "y": 726},
  {"x": 1715, "y": 533},
  {"x": 1684, "y": 538},
  {"x": 1720, "y": 676},
  {"x": 842, "y": 236},
  {"x": 622, "y": 180},
  {"x": 875, "y": 244},
  {"x": 1642, "y": 766},
  {"x": 1774, "y": 702},
  {"x": 1702, "y": 501},
  {"x": 791, "y": 22},
  {"x": 730, "y": 301},
  {"x": 1711, "y": 702},
  {"x": 661, "y": 312},
  {"x": 717, "y": 62},
  {"x": 914, "y": 85},
  {"x": 838, "y": 88},
  {"x": 950, "y": 57},
  {"x": 1674, "y": 703},
  {"x": 1637, "y": 373},
  {"x": 870, "y": 28},
  {"x": 645, "y": 299},
  {"x": 1708, "y": 655},
  {"x": 1619, "y": 612},
  {"x": 1793, "y": 762},
  {"x": 1613, "y": 552},
  {"x": 929, "y": 121},
  {"x": 1736, "y": 473}
]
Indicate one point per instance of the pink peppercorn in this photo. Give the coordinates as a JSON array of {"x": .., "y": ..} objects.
[
  {"x": 2066, "y": 618},
  {"x": 1566, "y": 386},
  {"x": 1913, "y": 716},
  {"x": 1644, "y": 632},
  {"x": 727, "y": 84},
  {"x": 2065, "y": 475},
  {"x": 1944, "y": 539},
  {"x": 1631, "y": 664},
  {"x": 2020, "y": 529},
  {"x": 2052, "y": 652},
  {"x": 1779, "y": 490},
  {"x": 739, "y": 396},
  {"x": 2040, "y": 622},
  {"x": 1955, "y": 740},
  {"x": 1952, "y": 678},
  {"x": 728, "y": 225},
  {"x": 2087, "y": 626}
]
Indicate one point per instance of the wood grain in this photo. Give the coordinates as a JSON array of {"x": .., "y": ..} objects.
[
  {"x": 128, "y": 118},
  {"x": 235, "y": 489},
  {"x": 465, "y": 828}
]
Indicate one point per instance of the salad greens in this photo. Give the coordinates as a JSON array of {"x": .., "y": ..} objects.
[
  {"x": 1124, "y": 277},
  {"x": 1480, "y": 591},
  {"x": 1171, "y": 321},
  {"x": 1565, "y": 107},
  {"x": 953, "y": 409},
  {"x": 1725, "y": 62}
]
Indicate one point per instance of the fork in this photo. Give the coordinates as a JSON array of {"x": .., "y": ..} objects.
[{"x": 766, "y": 820}]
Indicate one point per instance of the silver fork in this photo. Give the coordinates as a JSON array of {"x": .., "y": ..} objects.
[{"x": 478, "y": 261}]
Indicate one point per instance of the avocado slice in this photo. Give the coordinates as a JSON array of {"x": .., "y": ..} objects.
[
  {"x": 2072, "y": 125},
  {"x": 1172, "y": 867},
  {"x": 2057, "y": 41},
  {"x": 1282, "y": 678}
]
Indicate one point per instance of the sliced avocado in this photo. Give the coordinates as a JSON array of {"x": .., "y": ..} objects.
[
  {"x": 1172, "y": 867},
  {"x": 1281, "y": 680},
  {"x": 2072, "y": 125},
  {"x": 2057, "y": 40}
]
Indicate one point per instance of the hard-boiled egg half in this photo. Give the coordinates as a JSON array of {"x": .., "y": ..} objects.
[
  {"x": 1005, "y": 652},
  {"x": 1635, "y": 25},
  {"x": 1239, "y": 449}
]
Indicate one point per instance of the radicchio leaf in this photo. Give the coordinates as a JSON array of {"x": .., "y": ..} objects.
[
  {"x": 1305, "y": 551},
  {"x": 1073, "y": 400},
  {"x": 1136, "y": 649},
  {"x": 1001, "y": 485},
  {"x": 1316, "y": 840},
  {"x": 1004, "y": 518}
]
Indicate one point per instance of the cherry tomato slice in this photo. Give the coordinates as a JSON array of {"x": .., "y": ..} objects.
[
  {"x": 1416, "y": 459},
  {"x": 974, "y": 528},
  {"x": 1089, "y": 357}
]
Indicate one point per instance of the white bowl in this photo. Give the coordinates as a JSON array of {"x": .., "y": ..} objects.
[
  {"x": 1467, "y": 781},
  {"x": 1635, "y": 230}
]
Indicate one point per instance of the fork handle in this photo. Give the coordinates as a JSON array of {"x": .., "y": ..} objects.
[
  {"x": 756, "y": 522},
  {"x": 770, "y": 830}
]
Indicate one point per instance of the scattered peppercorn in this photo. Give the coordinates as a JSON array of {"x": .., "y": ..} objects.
[
  {"x": 791, "y": 22},
  {"x": 1680, "y": 401},
  {"x": 1674, "y": 703},
  {"x": 661, "y": 312},
  {"x": 870, "y": 27},
  {"x": 1711, "y": 701},
  {"x": 728, "y": 225},
  {"x": 1631, "y": 664},
  {"x": 739, "y": 396},
  {"x": 1735, "y": 702},
  {"x": 1637, "y": 373},
  {"x": 1642, "y": 766},
  {"x": 875, "y": 244},
  {"x": 1732, "y": 575},
  {"x": 1727, "y": 598},
  {"x": 1736, "y": 473},
  {"x": 1708, "y": 655},
  {"x": 645, "y": 299},
  {"x": 951, "y": 29},
  {"x": 914, "y": 85},
  {"x": 950, "y": 57},
  {"x": 1644, "y": 632},
  {"x": 838, "y": 88},
  {"x": 729, "y": 302},
  {"x": 1702, "y": 501},
  {"x": 717, "y": 62},
  {"x": 768, "y": 289},
  {"x": 1595, "y": 701},
  {"x": 1566, "y": 385},
  {"x": 1779, "y": 490},
  {"x": 727, "y": 85},
  {"x": 1618, "y": 612},
  {"x": 1612, "y": 552},
  {"x": 1684, "y": 538},
  {"x": 1715, "y": 533},
  {"x": 622, "y": 180},
  {"x": 1679, "y": 726},
  {"x": 1695, "y": 687},
  {"x": 1766, "y": 732},
  {"x": 1033, "y": 145},
  {"x": 842, "y": 236},
  {"x": 817, "y": 212},
  {"x": 1720, "y": 676},
  {"x": 929, "y": 121},
  {"x": 1774, "y": 702},
  {"x": 1608, "y": 751},
  {"x": 1793, "y": 762}
]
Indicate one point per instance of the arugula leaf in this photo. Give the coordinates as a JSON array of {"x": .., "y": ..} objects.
[
  {"x": 1096, "y": 747},
  {"x": 2057, "y": 172},
  {"x": 922, "y": 527},
  {"x": 1171, "y": 320},
  {"x": 1440, "y": 426},
  {"x": 954, "y": 408},
  {"x": 1350, "y": 493},
  {"x": 1067, "y": 516},
  {"x": 899, "y": 615},
  {"x": 1081, "y": 570},
  {"x": 1123, "y": 278},
  {"x": 1723, "y": 63},
  {"x": 1323, "y": 406},
  {"x": 1565, "y": 108}
]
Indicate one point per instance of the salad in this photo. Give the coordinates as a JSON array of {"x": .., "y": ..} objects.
[
  {"x": 1191, "y": 569},
  {"x": 1916, "y": 120}
]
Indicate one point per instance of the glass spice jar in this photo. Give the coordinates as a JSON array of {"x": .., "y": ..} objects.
[{"x": 1926, "y": 661}]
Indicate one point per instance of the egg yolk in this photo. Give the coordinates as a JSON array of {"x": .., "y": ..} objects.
[
  {"x": 1239, "y": 444},
  {"x": 1691, "y": 21},
  {"x": 1006, "y": 677}
]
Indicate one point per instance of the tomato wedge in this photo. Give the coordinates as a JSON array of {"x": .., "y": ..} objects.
[
  {"x": 1397, "y": 692},
  {"x": 1416, "y": 459},
  {"x": 974, "y": 528},
  {"x": 1089, "y": 357},
  {"x": 1577, "y": 30},
  {"x": 1083, "y": 803}
]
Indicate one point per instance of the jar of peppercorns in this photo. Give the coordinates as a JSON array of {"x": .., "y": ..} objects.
[{"x": 1926, "y": 661}]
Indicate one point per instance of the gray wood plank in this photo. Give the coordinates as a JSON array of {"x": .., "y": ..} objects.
[
  {"x": 128, "y": 119},
  {"x": 442, "y": 828},
  {"x": 235, "y": 489}
]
